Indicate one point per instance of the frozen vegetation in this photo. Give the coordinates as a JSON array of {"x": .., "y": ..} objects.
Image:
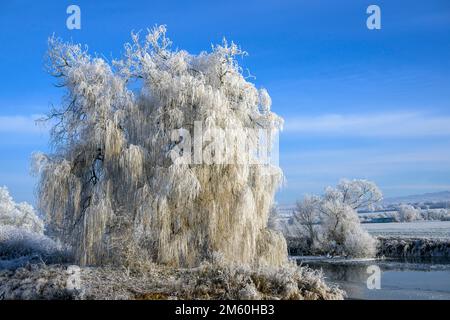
[
  {"x": 33, "y": 266},
  {"x": 121, "y": 175},
  {"x": 403, "y": 230},
  {"x": 414, "y": 239},
  {"x": 419, "y": 239},
  {"x": 207, "y": 281},
  {"x": 20, "y": 215},
  {"x": 22, "y": 238},
  {"x": 19, "y": 247},
  {"x": 330, "y": 224},
  {"x": 413, "y": 247},
  {"x": 119, "y": 191}
]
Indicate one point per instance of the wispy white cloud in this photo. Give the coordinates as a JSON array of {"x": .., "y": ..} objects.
[
  {"x": 21, "y": 124},
  {"x": 371, "y": 125}
]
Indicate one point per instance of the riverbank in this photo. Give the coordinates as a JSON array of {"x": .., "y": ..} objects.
[
  {"x": 209, "y": 281},
  {"x": 392, "y": 247},
  {"x": 413, "y": 247}
]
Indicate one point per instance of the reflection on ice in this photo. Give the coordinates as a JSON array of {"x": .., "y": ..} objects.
[{"x": 400, "y": 279}]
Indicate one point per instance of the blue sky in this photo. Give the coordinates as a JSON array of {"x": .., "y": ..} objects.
[{"x": 357, "y": 103}]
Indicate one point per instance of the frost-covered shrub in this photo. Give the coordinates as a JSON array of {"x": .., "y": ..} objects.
[
  {"x": 22, "y": 244},
  {"x": 36, "y": 282},
  {"x": 413, "y": 247},
  {"x": 338, "y": 230},
  {"x": 395, "y": 215},
  {"x": 341, "y": 232},
  {"x": 208, "y": 281},
  {"x": 239, "y": 282},
  {"x": 21, "y": 236},
  {"x": 112, "y": 189},
  {"x": 435, "y": 214},
  {"x": 359, "y": 243},
  {"x": 20, "y": 215},
  {"x": 407, "y": 213}
]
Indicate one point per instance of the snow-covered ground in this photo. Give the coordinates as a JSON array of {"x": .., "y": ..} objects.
[{"x": 417, "y": 229}]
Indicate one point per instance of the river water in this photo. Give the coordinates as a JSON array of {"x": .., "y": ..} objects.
[{"x": 399, "y": 279}]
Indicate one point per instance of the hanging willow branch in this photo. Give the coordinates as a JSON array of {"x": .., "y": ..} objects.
[{"x": 111, "y": 188}]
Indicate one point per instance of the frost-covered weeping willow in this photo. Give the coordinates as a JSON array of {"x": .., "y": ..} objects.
[{"x": 111, "y": 189}]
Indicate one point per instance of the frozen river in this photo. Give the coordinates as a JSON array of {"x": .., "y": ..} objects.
[{"x": 398, "y": 279}]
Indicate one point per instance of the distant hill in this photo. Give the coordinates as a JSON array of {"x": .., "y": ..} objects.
[
  {"x": 285, "y": 211},
  {"x": 426, "y": 197}
]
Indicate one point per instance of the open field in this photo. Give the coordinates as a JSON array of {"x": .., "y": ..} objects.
[{"x": 417, "y": 229}]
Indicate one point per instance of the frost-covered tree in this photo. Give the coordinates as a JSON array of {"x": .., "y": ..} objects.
[
  {"x": 340, "y": 225},
  {"x": 407, "y": 213},
  {"x": 356, "y": 194},
  {"x": 113, "y": 188},
  {"x": 434, "y": 214},
  {"x": 20, "y": 215},
  {"x": 307, "y": 217},
  {"x": 330, "y": 224},
  {"x": 341, "y": 231}
]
